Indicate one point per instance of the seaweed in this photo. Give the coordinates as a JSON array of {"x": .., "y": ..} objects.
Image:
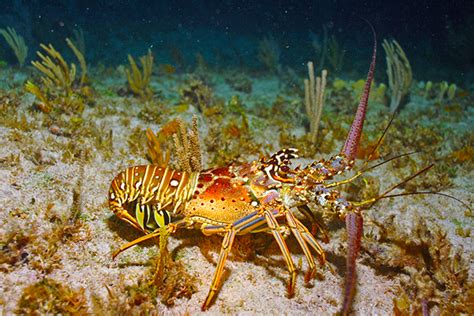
[
  {"x": 268, "y": 53},
  {"x": 11, "y": 117},
  {"x": 200, "y": 95},
  {"x": 438, "y": 273},
  {"x": 17, "y": 44},
  {"x": 239, "y": 82},
  {"x": 136, "y": 141},
  {"x": 188, "y": 147},
  {"x": 399, "y": 73},
  {"x": 58, "y": 89},
  {"x": 51, "y": 297},
  {"x": 152, "y": 112},
  {"x": 139, "y": 80},
  {"x": 158, "y": 154},
  {"x": 141, "y": 297},
  {"x": 65, "y": 228},
  {"x": 336, "y": 53},
  {"x": 13, "y": 249},
  {"x": 169, "y": 281},
  {"x": 171, "y": 276}
]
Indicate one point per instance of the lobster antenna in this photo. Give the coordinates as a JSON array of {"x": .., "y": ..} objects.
[
  {"x": 375, "y": 199},
  {"x": 362, "y": 171},
  {"x": 379, "y": 142},
  {"x": 428, "y": 192},
  {"x": 351, "y": 144},
  {"x": 388, "y": 160}
]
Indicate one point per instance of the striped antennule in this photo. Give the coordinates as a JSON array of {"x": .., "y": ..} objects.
[{"x": 146, "y": 196}]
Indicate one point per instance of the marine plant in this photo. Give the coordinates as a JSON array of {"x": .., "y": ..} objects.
[
  {"x": 269, "y": 54},
  {"x": 170, "y": 281},
  {"x": 51, "y": 297},
  {"x": 59, "y": 89},
  {"x": 198, "y": 94},
  {"x": 158, "y": 155},
  {"x": 398, "y": 72},
  {"x": 17, "y": 44},
  {"x": 188, "y": 147},
  {"x": 378, "y": 91},
  {"x": 139, "y": 80},
  {"x": 314, "y": 99},
  {"x": 320, "y": 47},
  {"x": 446, "y": 90},
  {"x": 79, "y": 53},
  {"x": 202, "y": 67},
  {"x": 437, "y": 271},
  {"x": 171, "y": 277},
  {"x": 78, "y": 40},
  {"x": 239, "y": 82},
  {"x": 438, "y": 91},
  {"x": 336, "y": 53}
]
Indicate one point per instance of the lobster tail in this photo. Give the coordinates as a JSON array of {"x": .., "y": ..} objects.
[{"x": 352, "y": 142}]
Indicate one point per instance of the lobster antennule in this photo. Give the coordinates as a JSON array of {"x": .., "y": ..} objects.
[{"x": 352, "y": 142}]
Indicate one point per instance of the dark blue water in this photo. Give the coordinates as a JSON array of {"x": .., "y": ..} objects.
[{"x": 438, "y": 36}]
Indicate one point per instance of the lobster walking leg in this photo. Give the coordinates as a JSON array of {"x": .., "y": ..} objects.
[
  {"x": 315, "y": 224},
  {"x": 225, "y": 249},
  {"x": 230, "y": 232},
  {"x": 275, "y": 229},
  {"x": 172, "y": 227},
  {"x": 312, "y": 242},
  {"x": 292, "y": 223}
]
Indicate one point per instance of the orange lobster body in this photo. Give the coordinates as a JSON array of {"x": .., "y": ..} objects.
[
  {"x": 214, "y": 196},
  {"x": 224, "y": 195}
]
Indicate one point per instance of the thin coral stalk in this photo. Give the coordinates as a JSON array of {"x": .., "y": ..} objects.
[
  {"x": 314, "y": 99},
  {"x": 82, "y": 61},
  {"x": 336, "y": 54},
  {"x": 17, "y": 43},
  {"x": 398, "y": 71},
  {"x": 157, "y": 154}
]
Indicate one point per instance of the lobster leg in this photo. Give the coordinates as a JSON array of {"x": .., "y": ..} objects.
[
  {"x": 292, "y": 223},
  {"x": 230, "y": 231},
  {"x": 275, "y": 229},
  {"x": 312, "y": 242},
  {"x": 315, "y": 224},
  {"x": 354, "y": 226},
  {"x": 225, "y": 249},
  {"x": 247, "y": 224},
  {"x": 172, "y": 227}
]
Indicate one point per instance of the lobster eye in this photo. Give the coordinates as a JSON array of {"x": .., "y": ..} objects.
[{"x": 285, "y": 168}]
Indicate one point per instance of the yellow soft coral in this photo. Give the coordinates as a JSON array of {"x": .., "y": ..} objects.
[
  {"x": 57, "y": 88},
  {"x": 17, "y": 44},
  {"x": 139, "y": 81}
]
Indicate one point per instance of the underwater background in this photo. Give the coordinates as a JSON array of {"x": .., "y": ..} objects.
[{"x": 89, "y": 88}]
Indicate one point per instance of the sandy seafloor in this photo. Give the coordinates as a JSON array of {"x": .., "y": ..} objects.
[{"x": 39, "y": 186}]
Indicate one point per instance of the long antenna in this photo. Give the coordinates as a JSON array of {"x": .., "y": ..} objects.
[
  {"x": 373, "y": 200},
  {"x": 428, "y": 192}
]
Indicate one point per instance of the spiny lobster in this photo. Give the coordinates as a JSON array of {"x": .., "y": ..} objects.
[{"x": 248, "y": 198}]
